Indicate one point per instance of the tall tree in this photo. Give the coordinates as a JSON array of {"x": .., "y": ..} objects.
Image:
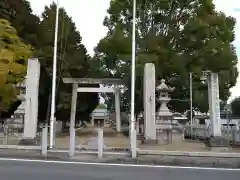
[
  {"x": 73, "y": 61},
  {"x": 235, "y": 107},
  {"x": 13, "y": 58},
  {"x": 178, "y": 37},
  {"x": 19, "y": 14}
]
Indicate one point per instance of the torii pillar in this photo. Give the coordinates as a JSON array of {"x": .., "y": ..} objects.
[{"x": 117, "y": 109}]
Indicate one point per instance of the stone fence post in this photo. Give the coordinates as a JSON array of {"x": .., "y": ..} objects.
[
  {"x": 44, "y": 140},
  {"x": 100, "y": 143}
]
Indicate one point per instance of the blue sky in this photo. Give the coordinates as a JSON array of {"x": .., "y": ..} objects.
[{"x": 92, "y": 30}]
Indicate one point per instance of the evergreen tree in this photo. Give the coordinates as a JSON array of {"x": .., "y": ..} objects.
[
  {"x": 179, "y": 37},
  {"x": 73, "y": 61},
  {"x": 13, "y": 59},
  {"x": 235, "y": 106}
]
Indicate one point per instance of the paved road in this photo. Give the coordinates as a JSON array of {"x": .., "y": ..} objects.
[{"x": 16, "y": 170}]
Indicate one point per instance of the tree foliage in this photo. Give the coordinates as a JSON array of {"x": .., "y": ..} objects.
[
  {"x": 235, "y": 107},
  {"x": 72, "y": 57},
  {"x": 13, "y": 59},
  {"x": 73, "y": 61},
  {"x": 19, "y": 14},
  {"x": 178, "y": 37}
]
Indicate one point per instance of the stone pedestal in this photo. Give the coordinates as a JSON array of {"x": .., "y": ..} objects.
[
  {"x": 165, "y": 137},
  {"x": 150, "y": 141},
  {"x": 217, "y": 143},
  {"x": 28, "y": 141}
]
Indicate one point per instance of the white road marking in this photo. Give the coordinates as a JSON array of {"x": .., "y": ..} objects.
[{"x": 120, "y": 165}]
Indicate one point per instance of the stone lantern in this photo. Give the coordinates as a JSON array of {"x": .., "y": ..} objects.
[
  {"x": 21, "y": 96},
  {"x": 163, "y": 115}
]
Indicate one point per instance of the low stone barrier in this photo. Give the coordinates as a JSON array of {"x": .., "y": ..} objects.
[{"x": 201, "y": 132}]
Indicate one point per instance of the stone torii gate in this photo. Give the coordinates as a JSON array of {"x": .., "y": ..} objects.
[{"x": 76, "y": 89}]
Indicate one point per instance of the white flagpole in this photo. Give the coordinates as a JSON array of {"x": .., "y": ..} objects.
[
  {"x": 133, "y": 67},
  {"x": 54, "y": 75},
  {"x": 133, "y": 122}
]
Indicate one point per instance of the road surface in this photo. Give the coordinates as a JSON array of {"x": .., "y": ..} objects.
[{"x": 23, "y": 170}]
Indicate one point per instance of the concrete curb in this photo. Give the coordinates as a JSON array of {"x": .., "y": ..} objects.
[
  {"x": 178, "y": 161},
  {"x": 167, "y": 160},
  {"x": 192, "y": 154},
  {"x": 35, "y": 156},
  {"x": 19, "y": 147}
]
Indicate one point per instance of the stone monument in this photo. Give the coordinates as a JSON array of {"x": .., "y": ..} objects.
[
  {"x": 21, "y": 96},
  {"x": 155, "y": 123},
  {"x": 149, "y": 101},
  {"x": 163, "y": 115},
  {"x": 215, "y": 140},
  {"x": 214, "y": 104},
  {"x": 30, "y": 101}
]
